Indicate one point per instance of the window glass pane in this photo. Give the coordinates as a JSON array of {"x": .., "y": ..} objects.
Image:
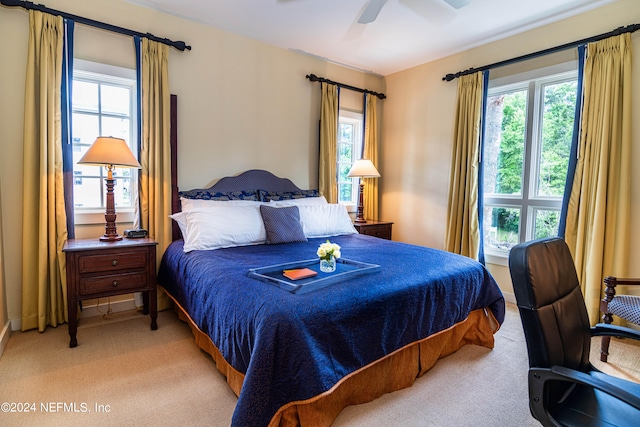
[
  {"x": 85, "y": 129},
  {"x": 345, "y": 153},
  {"x": 346, "y": 132},
  {"x": 546, "y": 223},
  {"x": 501, "y": 227},
  {"x": 345, "y": 192},
  {"x": 557, "y": 131},
  {"x": 116, "y": 127},
  {"x": 122, "y": 192},
  {"x": 87, "y": 191},
  {"x": 114, "y": 99},
  {"x": 343, "y": 171},
  {"x": 504, "y": 143},
  {"x": 85, "y": 96}
]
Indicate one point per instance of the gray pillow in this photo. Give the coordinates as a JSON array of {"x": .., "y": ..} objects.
[{"x": 282, "y": 224}]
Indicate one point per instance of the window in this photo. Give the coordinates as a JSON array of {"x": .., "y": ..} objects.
[
  {"x": 103, "y": 104},
  {"x": 349, "y": 150},
  {"x": 528, "y": 134}
]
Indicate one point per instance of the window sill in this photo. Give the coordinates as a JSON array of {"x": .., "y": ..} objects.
[
  {"x": 497, "y": 259},
  {"x": 97, "y": 217}
]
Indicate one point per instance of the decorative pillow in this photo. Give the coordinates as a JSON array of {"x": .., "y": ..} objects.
[
  {"x": 301, "y": 201},
  {"x": 325, "y": 220},
  {"x": 282, "y": 225},
  {"x": 267, "y": 196},
  {"x": 221, "y": 227},
  {"x": 189, "y": 204},
  {"x": 207, "y": 194}
]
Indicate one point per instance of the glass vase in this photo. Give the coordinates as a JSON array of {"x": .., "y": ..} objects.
[{"x": 328, "y": 265}]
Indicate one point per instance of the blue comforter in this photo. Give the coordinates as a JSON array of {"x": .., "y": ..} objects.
[{"x": 293, "y": 347}]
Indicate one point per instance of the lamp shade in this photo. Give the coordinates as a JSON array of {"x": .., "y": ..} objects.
[
  {"x": 107, "y": 150},
  {"x": 363, "y": 169}
]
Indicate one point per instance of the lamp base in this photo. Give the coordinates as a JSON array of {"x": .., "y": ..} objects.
[
  {"x": 360, "y": 212},
  {"x": 114, "y": 238}
]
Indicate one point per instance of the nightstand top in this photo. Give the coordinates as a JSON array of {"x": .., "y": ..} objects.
[
  {"x": 90, "y": 244},
  {"x": 373, "y": 222}
]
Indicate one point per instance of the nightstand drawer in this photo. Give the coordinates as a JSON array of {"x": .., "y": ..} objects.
[
  {"x": 383, "y": 232},
  {"x": 112, "y": 262},
  {"x": 112, "y": 283}
]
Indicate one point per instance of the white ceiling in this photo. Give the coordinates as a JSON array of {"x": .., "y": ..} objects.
[{"x": 406, "y": 33}]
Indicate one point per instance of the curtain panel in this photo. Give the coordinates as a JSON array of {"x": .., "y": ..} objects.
[
  {"x": 155, "y": 148},
  {"x": 327, "y": 169},
  {"x": 44, "y": 229},
  {"x": 598, "y": 213},
  {"x": 462, "y": 229},
  {"x": 370, "y": 152}
]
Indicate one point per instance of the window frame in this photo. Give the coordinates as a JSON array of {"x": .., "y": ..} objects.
[
  {"x": 110, "y": 74},
  {"x": 357, "y": 119},
  {"x": 528, "y": 202}
]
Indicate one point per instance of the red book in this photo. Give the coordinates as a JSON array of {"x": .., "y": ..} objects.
[{"x": 299, "y": 273}]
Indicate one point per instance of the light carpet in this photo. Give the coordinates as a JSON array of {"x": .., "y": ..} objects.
[{"x": 122, "y": 373}]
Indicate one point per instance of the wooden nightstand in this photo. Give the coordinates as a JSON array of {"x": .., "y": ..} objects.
[
  {"x": 102, "y": 269},
  {"x": 381, "y": 229}
]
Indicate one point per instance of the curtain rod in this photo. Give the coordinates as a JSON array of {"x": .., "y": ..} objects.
[
  {"x": 82, "y": 20},
  {"x": 314, "y": 78},
  {"x": 620, "y": 30}
]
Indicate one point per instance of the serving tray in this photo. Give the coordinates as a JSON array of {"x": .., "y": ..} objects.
[{"x": 345, "y": 269}]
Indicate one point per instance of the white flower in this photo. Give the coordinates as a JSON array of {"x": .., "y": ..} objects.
[{"x": 328, "y": 249}]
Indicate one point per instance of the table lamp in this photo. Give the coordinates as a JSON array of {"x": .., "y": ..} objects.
[
  {"x": 362, "y": 169},
  {"x": 110, "y": 152}
]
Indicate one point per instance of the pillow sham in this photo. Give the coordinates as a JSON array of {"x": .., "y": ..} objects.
[
  {"x": 282, "y": 224},
  {"x": 325, "y": 220},
  {"x": 267, "y": 196},
  {"x": 221, "y": 227},
  {"x": 207, "y": 194},
  {"x": 189, "y": 204}
]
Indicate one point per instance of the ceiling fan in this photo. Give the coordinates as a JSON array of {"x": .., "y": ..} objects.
[{"x": 374, "y": 7}]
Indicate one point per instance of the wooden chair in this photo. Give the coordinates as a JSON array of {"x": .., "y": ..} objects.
[{"x": 626, "y": 307}]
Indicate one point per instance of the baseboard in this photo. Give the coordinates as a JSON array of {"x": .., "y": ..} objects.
[
  {"x": 511, "y": 298},
  {"x": 101, "y": 309},
  {"x": 4, "y": 337},
  {"x": 91, "y": 310}
]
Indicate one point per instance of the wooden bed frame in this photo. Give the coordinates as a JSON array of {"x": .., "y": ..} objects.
[{"x": 394, "y": 372}]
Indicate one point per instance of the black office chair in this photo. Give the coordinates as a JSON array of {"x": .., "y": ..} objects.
[{"x": 564, "y": 388}]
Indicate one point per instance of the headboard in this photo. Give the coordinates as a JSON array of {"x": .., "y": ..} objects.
[{"x": 253, "y": 179}]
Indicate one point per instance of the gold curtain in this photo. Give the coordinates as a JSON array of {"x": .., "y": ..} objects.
[
  {"x": 597, "y": 230},
  {"x": 44, "y": 228},
  {"x": 155, "y": 149},
  {"x": 462, "y": 232},
  {"x": 370, "y": 152},
  {"x": 327, "y": 169}
]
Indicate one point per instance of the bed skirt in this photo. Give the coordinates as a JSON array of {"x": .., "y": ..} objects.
[{"x": 393, "y": 372}]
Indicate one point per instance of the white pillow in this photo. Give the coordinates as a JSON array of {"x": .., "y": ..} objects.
[
  {"x": 302, "y": 201},
  {"x": 190, "y": 204},
  {"x": 221, "y": 226},
  {"x": 325, "y": 220}
]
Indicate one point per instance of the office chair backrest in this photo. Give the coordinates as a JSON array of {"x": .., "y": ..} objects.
[{"x": 551, "y": 305}]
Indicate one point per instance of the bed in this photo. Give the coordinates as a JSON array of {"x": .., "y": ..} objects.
[{"x": 299, "y": 358}]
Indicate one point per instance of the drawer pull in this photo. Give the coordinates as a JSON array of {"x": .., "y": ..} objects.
[
  {"x": 114, "y": 262},
  {"x": 115, "y": 283}
]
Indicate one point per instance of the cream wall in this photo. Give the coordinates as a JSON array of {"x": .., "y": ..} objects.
[
  {"x": 242, "y": 105},
  {"x": 418, "y": 128}
]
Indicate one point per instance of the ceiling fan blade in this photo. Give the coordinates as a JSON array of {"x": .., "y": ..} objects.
[
  {"x": 457, "y": 4},
  {"x": 371, "y": 12}
]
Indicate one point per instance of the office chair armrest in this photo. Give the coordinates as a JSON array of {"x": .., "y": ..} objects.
[
  {"x": 605, "y": 329},
  {"x": 571, "y": 375}
]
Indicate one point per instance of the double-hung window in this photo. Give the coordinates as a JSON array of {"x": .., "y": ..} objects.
[
  {"x": 350, "y": 128},
  {"x": 103, "y": 104},
  {"x": 528, "y": 133}
]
